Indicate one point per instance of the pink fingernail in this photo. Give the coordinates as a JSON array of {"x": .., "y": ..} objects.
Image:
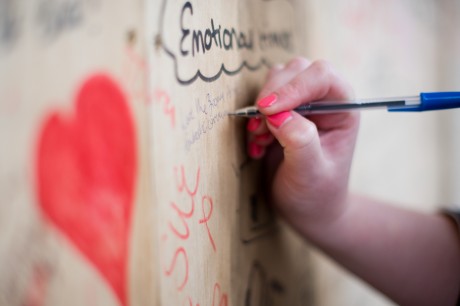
[
  {"x": 267, "y": 101},
  {"x": 253, "y": 124},
  {"x": 254, "y": 150},
  {"x": 279, "y": 119},
  {"x": 263, "y": 138}
]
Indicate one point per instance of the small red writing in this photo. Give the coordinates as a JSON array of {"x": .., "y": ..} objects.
[
  {"x": 179, "y": 224},
  {"x": 170, "y": 270},
  {"x": 218, "y": 297},
  {"x": 169, "y": 110}
]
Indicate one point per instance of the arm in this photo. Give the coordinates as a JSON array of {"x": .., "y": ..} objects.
[{"x": 411, "y": 257}]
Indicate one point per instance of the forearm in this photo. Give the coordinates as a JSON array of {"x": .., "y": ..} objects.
[{"x": 411, "y": 257}]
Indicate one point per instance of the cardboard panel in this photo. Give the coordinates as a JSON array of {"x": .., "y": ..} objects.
[{"x": 219, "y": 242}]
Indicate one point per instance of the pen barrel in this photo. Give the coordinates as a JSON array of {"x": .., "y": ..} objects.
[{"x": 346, "y": 106}]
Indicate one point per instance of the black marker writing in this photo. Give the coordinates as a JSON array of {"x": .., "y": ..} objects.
[
  {"x": 261, "y": 291},
  {"x": 212, "y": 37},
  {"x": 193, "y": 44},
  {"x": 55, "y": 17},
  {"x": 9, "y": 25}
]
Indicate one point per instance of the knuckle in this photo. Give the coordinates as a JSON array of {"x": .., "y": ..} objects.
[
  {"x": 300, "y": 141},
  {"x": 298, "y": 62},
  {"x": 301, "y": 138},
  {"x": 290, "y": 90},
  {"x": 265, "y": 91},
  {"x": 277, "y": 68},
  {"x": 274, "y": 70},
  {"x": 322, "y": 67}
]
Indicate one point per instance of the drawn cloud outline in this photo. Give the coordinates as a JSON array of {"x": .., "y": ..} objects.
[{"x": 199, "y": 75}]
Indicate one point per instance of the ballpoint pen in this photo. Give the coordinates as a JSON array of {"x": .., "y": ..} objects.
[{"x": 424, "y": 102}]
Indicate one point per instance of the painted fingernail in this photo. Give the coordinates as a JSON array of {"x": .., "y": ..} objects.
[
  {"x": 267, "y": 101},
  {"x": 277, "y": 120},
  {"x": 254, "y": 150},
  {"x": 253, "y": 124},
  {"x": 263, "y": 138}
]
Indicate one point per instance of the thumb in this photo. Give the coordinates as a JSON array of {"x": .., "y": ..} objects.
[{"x": 299, "y": 138}]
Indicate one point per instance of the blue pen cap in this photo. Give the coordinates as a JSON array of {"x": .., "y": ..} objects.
[{"x": 432, "y": 101}]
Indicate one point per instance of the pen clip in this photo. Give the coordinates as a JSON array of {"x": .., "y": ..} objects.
[{"x": 432, "y": 101}]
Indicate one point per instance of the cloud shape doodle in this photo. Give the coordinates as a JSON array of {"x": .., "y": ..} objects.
[{"x": 221, "y": 38}]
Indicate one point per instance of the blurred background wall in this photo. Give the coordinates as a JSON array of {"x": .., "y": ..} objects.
[
  {"x": 49, "y": 50},
  {"x": 386, "y": 49}
]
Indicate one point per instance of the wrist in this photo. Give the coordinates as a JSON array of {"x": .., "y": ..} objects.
[{"x": 323, "y": 219}]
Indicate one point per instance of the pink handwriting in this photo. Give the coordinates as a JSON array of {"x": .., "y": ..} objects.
[
  {"x": 217, "y": 296},
  {"x": 169, "y": 272},
  {"x": 169, "y": 110},
  {"x": 179, "y": 225}
]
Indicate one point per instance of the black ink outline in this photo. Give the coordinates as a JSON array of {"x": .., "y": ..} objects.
[
  {"x": 263, "y": 61},
  {"x": 267, "y": 289},
  {"x": 258, "y": 231}
]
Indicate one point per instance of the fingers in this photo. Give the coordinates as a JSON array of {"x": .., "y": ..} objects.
[
  {"x": 299, "y": 138},
  {"x": 303, "y": 159},
  {"x": 259, "y": 137},
  {"x": 289, "y": 86},
  {"x": 279, "y": 75},
  {"x": 274, "y": 70},
  {"x": 316, "y": 82}
]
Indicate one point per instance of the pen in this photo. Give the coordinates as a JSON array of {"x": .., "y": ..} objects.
[{"x": 426, "y": 101}]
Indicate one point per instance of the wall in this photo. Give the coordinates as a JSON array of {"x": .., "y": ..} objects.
[
  {"x": 123, "y": 183},
  {"x": 73, "y": 163},
  {"x": 218, "y": 240}
]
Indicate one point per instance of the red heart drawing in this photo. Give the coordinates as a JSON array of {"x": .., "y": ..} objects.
[{"x": 86, "y": 170}]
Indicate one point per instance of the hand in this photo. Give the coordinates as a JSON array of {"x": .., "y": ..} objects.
[{"x": 310, "y": 177}]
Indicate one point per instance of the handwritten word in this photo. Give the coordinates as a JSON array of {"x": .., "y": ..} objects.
[
  {"x": 210, "y": 109},
  {"x": 223, "y": 297},
  {"x": 275, "y": 40},
  {"x": 55, "y": 17},
  {"x": 188, "y": 119},
  {"x": 217, "y": 296},
  {"x": 203, "y": 128},
  {"x": 168, "y": 272},
  {"x": 196, "y": 135},
  {"x": 135, "y": 75},
  {"x": 192, "y": 44},
  {"x": 203, "y": 40},
  {"x": 169, "y": 109},
  {"x": 230, "y": 38},
  {"x": 181, "y": 187},
  {"x": 182, "y": 233},
  {"x": 184, "y": 215},
  {"x": 261, "y": 291},
  {"x": 206, "y": 218},
  {"x": 9, "y": 22},
  {"x": 51, "y": 18},
  {"x": 135, "y": 71}
]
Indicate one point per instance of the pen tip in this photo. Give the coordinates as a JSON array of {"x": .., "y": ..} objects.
[{"x": 235, "y": 114}]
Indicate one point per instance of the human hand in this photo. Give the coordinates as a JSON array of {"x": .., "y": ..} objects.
[{"x": 310, "y": 177}]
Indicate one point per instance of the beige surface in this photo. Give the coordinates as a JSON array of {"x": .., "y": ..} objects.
[
  {"x": 56, "y": 53},
  {"x": 48, "y": 49},
  {"x": 236, "y": 253},
  {"x": 218, "y": 242}
]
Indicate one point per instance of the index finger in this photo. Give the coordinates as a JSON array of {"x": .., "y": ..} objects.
[{"x": 317, "y": 82}]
